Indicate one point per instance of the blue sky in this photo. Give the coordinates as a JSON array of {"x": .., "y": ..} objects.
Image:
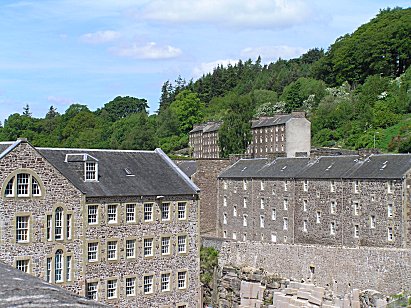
[{"x": 59, "y": 52}]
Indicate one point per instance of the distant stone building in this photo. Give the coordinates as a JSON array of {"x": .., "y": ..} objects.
[
  {"x": 340, "y": 201},
  {"x": 282, "y": 135},
  {"x": 203, "y": 139},
  {"x": 120, "y": 227}
]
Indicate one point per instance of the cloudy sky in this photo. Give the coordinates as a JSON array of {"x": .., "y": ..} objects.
[{"x": 59, "y": 52}]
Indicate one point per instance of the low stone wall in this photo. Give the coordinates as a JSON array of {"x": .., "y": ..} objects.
[{"x": 339, "y": 269}]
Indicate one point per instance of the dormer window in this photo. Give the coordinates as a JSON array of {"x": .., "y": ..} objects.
[
  {"x": 91, "y": 171},
  {"x": 23, "y": 185}
]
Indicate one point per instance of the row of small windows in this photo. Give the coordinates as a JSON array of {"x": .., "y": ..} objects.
[
  {"x": 149, "y": 282},
  {"x": 148, "y": 249},
  {"x": 356, "y": 185},
  {"x": 131, "y": 212}
]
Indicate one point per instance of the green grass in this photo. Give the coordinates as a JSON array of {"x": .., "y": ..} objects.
[{"x": 384, "y": 137}]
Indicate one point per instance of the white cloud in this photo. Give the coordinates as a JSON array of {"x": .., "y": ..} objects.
[
  {"x": 59, "y": 100},
  {"x": 208, "y": 67},
  {"x": 148, "y": 51},
  {"x": 100, "y": 37},
  {"x": 272, "y": 53},
  {"x": 234, "y": 13}
]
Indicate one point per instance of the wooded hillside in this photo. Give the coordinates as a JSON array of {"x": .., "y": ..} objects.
[{"x": 357, "y": 91}]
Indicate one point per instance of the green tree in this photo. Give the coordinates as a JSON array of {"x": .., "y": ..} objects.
[{"x": 121, "y": 107}]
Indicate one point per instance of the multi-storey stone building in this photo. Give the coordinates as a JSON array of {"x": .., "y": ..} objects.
[
  {"x": 203, "y": 139},
  {"x": 345, "y": 201},
  {"x": 284, "y": 134},
  {"x": 120, "y": 227}
]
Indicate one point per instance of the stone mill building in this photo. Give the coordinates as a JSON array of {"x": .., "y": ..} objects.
[{"x": 119, "y": 227}]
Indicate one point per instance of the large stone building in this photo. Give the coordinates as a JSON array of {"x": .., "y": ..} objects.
[
  {"x": 120, "y": 227},
  {"x": 203, "y": 140},
  {"x": 281, "y": 135},
  {"x": 284, "y": 134},
  {"x": 348, "y": 201}
]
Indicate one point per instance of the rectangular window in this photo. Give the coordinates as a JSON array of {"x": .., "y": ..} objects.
[
  {"x": 130, "y": 213},
  {"x": 305, "y": 185},
  {"x": 165, "y": 245},
  {"x": 372, "y": 221},
  {"x": 245, "y": 202},
  {"x": 91, "y": 171},
  {"x": 244, "y": 237},
  {"x": 182, "y": 209},
  {"x": 225, "y": 201},
  {"x": 224, "y": 234},
  {"x": 285, "y": 204},
  {"x": 261, "y": 221},
  {"x": 273, "y": 214},
  {"x": 225, "y": 186},
  {"x": 245, "y": 220},
  {"x": 92, "y": 288},
  {"x": 112, "y": 250},
  {"x": 23, "y": 265},
  {"x": 92, "y": 252},
  {"x": 111, "y": 288},
  {"x": 49, "y": 226},
  {"x": 262, "y": 185},
  {"x": 390, "y": 234},
  {"x": 92, "y": 214},
  {"x": 165, "y": 211},
  {"x": 356, "y": 186},
  {"x": 182, "y": 280},
  {"x": 333, "y": 207},
  {"x": 285, "y": 224},
  {"x": 58, "y": 267},
  {"x": 9, "y": 188},
  {"x": 182, "y": 243},
  {"x": 130, "y": 286},
  {"x": 68, "y": 268},
  {"x": 22, "y": 229},
  {"x": 23, "y": 184},
  {"x": 68, "y": 226},
  {"x": 225, "y": 218},
  {"x": 48, "y": 269},
  {"x": 356, "y": 208},
  {"x": 234, "y": 236},
  {"x": 58, "y": 224},
  {"x": 390, "y": 187},
  {"x": 112, "y": 213},
  {"x": 390, "y": 211},
  {"x": 305, "y": 225},
  {"x": 318, "y": 217},
  {"x": 273, "y": 238},
  {"x": 148, "y": 247},
  {"x": 148, "y": 212},
  {"x": 356, "y": 231},
  {"x": 305, "y": 205},
  {"x": 235, "y": 211},
  {"x": 245, "y": 184},
  {"x": 130, "y": 249},
  {"x": 148, "y": 284},
  {"x": 285, "y": 185},
  {"x": 165, "y": 282},
  {"x": 332, "y": 186},
  {"x": 332, "y": 228}
]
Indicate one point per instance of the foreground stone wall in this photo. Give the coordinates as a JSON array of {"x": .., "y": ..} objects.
[{"x": 340, "y": 269}]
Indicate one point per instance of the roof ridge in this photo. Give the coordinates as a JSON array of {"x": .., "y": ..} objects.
[{"x": 95, "y": 150}]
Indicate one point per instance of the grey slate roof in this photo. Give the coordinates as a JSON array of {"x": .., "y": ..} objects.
[
  {"x": 6, "y": 147},
  {"x": 18, "y": 289},
  {"x": 189, "y": 167},
  {"x": 211, "y": 127},
  {"x": 152, "y": 173},
  {"x": 197, "y": 128},
  {"x": 271, "y": 121},
  {"x": 381, "y": 166}
]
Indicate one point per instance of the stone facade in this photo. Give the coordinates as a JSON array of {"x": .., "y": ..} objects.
[
  {"x": 203, "y": 140},
  {"x": 283, "y": 134},
  {"x": 91, "y": 248},
  {"x": 306, "y": 207}
]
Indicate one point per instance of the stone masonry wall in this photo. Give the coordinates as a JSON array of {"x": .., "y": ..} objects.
[
  {"x": 206, "y": 179},
  {"x": 137, "y": 267},
  {"x": 340, "y": 269},
  {"x": 56, "y": 191}
]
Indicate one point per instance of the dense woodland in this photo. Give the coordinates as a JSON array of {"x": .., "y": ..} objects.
[{"x": 356, "y": 93}]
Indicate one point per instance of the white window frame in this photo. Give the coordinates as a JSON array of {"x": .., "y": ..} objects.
[
  {"x": 92, "y": 251},
  {"x": 90, "y": 171},
  {"x": 148, "y": 249},
  {"x": 165, "y": 211},
  {"x": 285, "y": 223},
  {"x": 332, "y": 228},
  {"x": 92, "y": 290},
  {"x": 112, "y": 250},
  {"x": 356, "y": 231},
  {"x": 111, "y": 288},
  {"x": 182, "y": 210},
  {"x": 130, "y": 212},
  {"x": 130, "y": 248},
  {"x": 165, "y": 282},
  {"x": 373, "y": 222},
  {"x": 148, "y": 284},
  {"x": 262, "y": 222},
  {"x": 305, "y": 185},
  {"x": 112, "y": 213},
  {"x": 305, "y": 225},
  {"x": 182, "y": 243},
  {"x": 148, "y": 212},
  {"x": 245, "y": 223},
  {"x": 130, "y": 286},
  {"x": 22, "y": 229},
  {"x": 182, "y": 280},
  {"x": 92, "y": 214},
  {"x": 165, "y": 245}
]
